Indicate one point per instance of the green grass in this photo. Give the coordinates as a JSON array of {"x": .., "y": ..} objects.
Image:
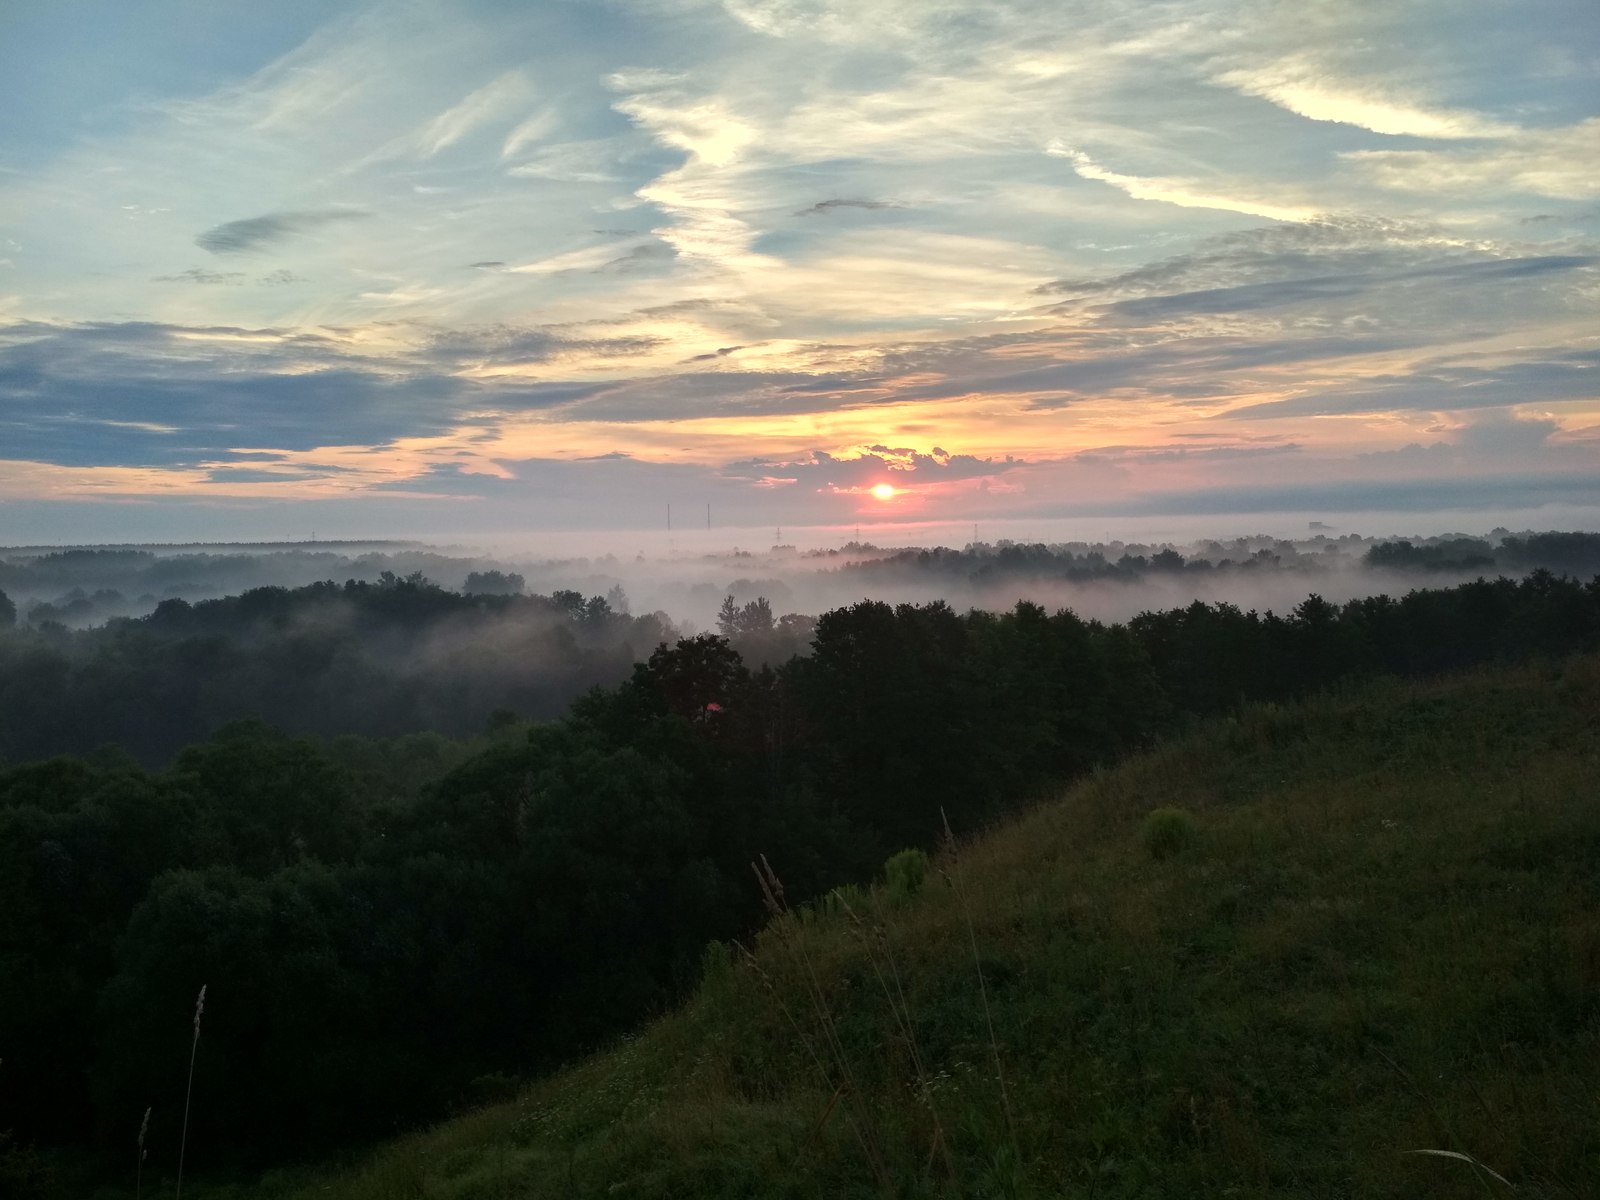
[{"x": 1380, "y": 933}]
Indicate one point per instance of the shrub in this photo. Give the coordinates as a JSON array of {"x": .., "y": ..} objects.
[
  {"x": 716, "y": 968},
  {"x": 1167, "y": 831},
  {"x": 905, "y": 872},
  {"x": 846, "y": 898}
]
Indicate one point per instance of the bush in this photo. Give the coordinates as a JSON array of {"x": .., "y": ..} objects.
[
  {"x": 904, "y": 873},
  {"x": 1167, "y": 831},
  {"x": 846, "y": 898}
]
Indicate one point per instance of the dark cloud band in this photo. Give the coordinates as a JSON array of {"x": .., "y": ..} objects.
[{"x": 255, "y": 233}]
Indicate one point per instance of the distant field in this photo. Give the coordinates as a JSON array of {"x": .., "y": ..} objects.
[{"x": 1370, "y": 932}]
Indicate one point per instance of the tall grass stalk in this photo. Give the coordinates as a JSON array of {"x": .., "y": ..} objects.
[
  {"x": 953, "y": 853},
  {"x": 138, "y": 1171},
  {"x": 785, "y": 930},
  {"x": 875, "y": 944},
  {"x": 839, "y": 1090},
  {"x": 1469, "y": 1160},
  {"x": 1476, "y": 1167},
  {"x": 194, "y": 1046}
]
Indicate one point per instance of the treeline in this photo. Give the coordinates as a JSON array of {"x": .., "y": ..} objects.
[
  {"x": 1565, "y": 553},
  {"x": 81, "y": 585},
  {"x": 159, "y": 573},
  {"x": 87, "y": 586},
  {"x": 983, "y": 564},
  {"x": 383, "y": 927},
  {"x": 381, "y": 658}
]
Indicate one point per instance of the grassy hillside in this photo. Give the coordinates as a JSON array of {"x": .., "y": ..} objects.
[{"x": 1373, "y": 929}]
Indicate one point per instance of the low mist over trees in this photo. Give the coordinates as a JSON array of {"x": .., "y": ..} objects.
[
  {"x": 982, "y": 565},
  {"x": 394, "y": 656},
  {"x": 383, "y": 923},
  {"x": 1111, "y": 580}
]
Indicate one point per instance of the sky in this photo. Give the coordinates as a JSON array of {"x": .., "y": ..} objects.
[{"x": 416, "y": 268}]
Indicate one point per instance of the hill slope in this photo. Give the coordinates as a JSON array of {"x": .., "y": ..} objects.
[{"x": 1375, "y": 930}]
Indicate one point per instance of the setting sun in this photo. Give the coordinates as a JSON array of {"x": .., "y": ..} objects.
[{"x": 884, "y": 491}]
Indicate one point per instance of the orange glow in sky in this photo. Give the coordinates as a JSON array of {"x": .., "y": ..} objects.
[{"x": 884, "y": 491}]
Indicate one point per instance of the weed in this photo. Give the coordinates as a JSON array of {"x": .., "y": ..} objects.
[
  {"x": 904, "y": 873},
  {"x": 1166, "y": 832},
  {"x": 953, "y": 855},
  {"x": 194, "y": 1047},
  {"x": 138, "y": 1174},
  {"x": 1478, "y": 1169},
  {"x": 832, "y": 1059},
  {"x": 875, "y": 944}
]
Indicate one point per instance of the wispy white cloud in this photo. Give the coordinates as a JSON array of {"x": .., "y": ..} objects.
[
  {"x": 1558, "y": 163},
  {"x": 593, "y": 161},
  {"x": 1183, "y": 192},
  {"x": 707, "y": 129},
  {"x": 543, "y": 124},
  {"x": 488, "y": 103},
  {"x": 1303, "y": 87}
]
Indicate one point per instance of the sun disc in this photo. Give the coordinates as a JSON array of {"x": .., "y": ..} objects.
[{"x": 884, "y": 491}]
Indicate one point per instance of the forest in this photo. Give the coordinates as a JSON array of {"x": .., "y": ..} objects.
[
  {"x": 380, "y": 659},
  {"x": 395, "y": 656},
  {"x": 82, "y": 587},
  {"x": 393, "y": 924},
  {"x": 419, "y": 641}
]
